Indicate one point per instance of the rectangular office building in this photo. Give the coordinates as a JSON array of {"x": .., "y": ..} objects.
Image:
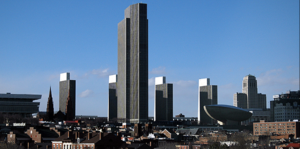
[
  {"x": 208, "y": 95},
  {"x": 66, "y": 85},
  {"x": 112, "y": 98},
  {"x": 163, "y": 102},
  {"x": 132, "y": 84}
]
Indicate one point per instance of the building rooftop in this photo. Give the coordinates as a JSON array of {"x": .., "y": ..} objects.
[{"x": 20, "y": 96}]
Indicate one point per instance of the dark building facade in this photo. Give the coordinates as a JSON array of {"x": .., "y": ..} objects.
[
  {"x": 19, "y": 104},
  {"x": 50, "y": 109},
  {"x": 66, "y": 85},
  {"x": 112, "y": 98},
  {"x": 163, "y": 102},
  {"x": 132, "y": 84},
  {"x": 208, "y": 95},
  {"x": 285, "y": 107},
  {"x": 69, "y": 108}
]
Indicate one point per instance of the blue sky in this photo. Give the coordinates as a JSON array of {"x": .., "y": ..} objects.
[{"x": 188, "y": 40}]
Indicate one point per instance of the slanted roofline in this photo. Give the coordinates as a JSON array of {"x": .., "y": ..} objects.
[{"x": 21, "y": 96}]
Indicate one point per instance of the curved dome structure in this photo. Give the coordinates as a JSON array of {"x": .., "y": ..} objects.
[{"x": 226, "y": 112}]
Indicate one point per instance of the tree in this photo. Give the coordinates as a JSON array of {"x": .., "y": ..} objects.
[{"x": 4, "y": 145}]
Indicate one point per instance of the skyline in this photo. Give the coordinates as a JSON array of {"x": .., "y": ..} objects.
[{"x": 223, "y": 41}]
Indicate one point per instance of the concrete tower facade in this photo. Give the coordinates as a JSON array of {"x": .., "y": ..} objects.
[
  {"x": 163, "y": 102},
  {"x": 249, "y": 98},
  {"x": 207, "y": 95},
  {"x": 132, "y": 84},
  {"x": 250, "y": 89},
  {"x": 66, "y": 85},
  {"x": 112, "y": 98}
]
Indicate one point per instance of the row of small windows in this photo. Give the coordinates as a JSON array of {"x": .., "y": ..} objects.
[
  {"x": 74, "y": 147},
  {"x": 275, "y": 124},
  {"x": 251, "y": 84}
]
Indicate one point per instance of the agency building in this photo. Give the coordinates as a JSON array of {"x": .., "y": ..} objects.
[
  {"x": 112, "y": 98},
  {"x": 207, "y": 95},
  {"x": 276, "y": 128},
  {"x": 67, "y": 88},
  {"x": 286, "y": 106},
  {"x": 132, "y": 87},
  {"x": 249, "y": 98},
  {"x": 19, "y": 104},
  {"x": 163, "y": 102}
]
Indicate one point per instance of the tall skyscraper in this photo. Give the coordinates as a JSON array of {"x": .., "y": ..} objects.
[
  {"x": 249, "y": 99},
  {"x": 112, "y": 98},
  {"x": 66, "y": 85},
  {"x": 132, "y": 84},
  {"x": 163, "y": 102},
  {"x": 208, "y": 95},
  {"x": 50, "y": 109}
]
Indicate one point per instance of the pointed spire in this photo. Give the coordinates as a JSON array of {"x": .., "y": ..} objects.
[
  {"x": 50, "y": 93},
  {"x": 50, "y": 109}
]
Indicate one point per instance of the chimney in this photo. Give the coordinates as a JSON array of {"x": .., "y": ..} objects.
[
  {"x": 46, "y": 146},
  {"x": 68, "y": 134},
  {"x": 88, "y": 135},
  {"x": 76, "y": 135},
  {"x": 150, "y": 143},
  {"x": 100, "y": 135},
  {"x": 27, "y": 145}
]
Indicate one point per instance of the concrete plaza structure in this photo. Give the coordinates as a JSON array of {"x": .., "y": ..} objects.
[
  {"x": 19, "y": 104},
  {"x": 65, "y": 86},
  {"x": 250, "y": 99},
  {"x": 207, "y": 95},
  {"x": 132, "y": 87},
  {"x": 112, "y": 98},
  {"x": 163, "y": 102}
]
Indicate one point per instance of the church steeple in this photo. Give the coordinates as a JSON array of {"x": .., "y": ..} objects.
[{"x": 50, "y": 109}]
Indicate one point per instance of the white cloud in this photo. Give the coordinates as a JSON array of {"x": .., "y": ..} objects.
[
  {"x": 151, "y": 81},
  {"x": 160, "y": 70},
  {"x": 102, "y": 73},
  {"x": 86, "y": 93},
  {"x": 275, "y": 77}
]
